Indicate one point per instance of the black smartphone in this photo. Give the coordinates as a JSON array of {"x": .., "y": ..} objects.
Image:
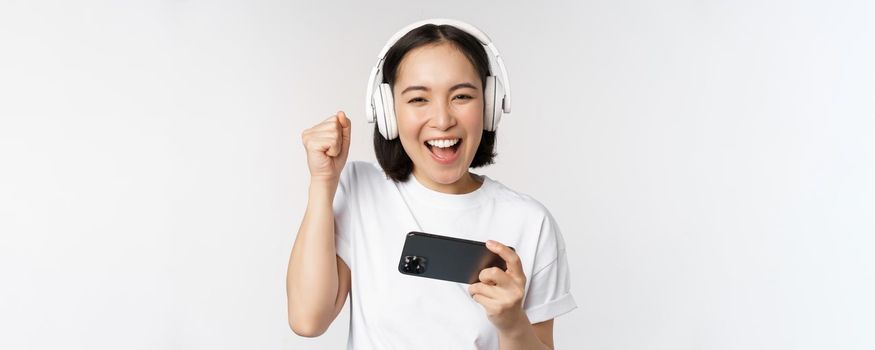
[{"x": 446, "y": 258}]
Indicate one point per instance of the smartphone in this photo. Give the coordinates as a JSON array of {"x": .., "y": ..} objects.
[{"x": 446, "y": 258}]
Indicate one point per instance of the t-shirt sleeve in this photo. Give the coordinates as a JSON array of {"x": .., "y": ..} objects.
[
  {"x": 342, "y": 210},
  {"x": 549, "y": 293}
]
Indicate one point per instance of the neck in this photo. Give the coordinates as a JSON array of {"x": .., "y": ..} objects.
[{"x": 466, "y": 184}]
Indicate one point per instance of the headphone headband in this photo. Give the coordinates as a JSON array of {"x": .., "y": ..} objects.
[{"x": 376, "y": 76}]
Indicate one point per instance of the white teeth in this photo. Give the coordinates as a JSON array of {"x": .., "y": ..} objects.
[{"x": 442, "y": 143}]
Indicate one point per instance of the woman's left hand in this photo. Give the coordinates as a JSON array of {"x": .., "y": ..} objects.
[{"x": 501, "y": 292}]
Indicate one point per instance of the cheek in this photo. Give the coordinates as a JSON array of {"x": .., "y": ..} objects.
[
  {"x": 471, "y": 116},
  {"x": 408, "y": 117},
  {"x": 408, "y": 132}
]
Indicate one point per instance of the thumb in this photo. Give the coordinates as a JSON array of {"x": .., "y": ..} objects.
[
  {"x": 345, "y": 124},
  {"x": 344, "y": 121}
]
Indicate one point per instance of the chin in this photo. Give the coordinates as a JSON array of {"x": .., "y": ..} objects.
[{"x": 445, "y": 175}]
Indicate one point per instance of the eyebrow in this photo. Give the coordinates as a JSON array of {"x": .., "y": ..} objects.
[{"x": 457, "y": 86}]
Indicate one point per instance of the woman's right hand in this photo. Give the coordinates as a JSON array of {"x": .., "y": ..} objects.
[{"x": 327, "y": 145}]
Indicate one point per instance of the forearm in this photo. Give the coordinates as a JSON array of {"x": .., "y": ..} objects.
[
  {"x": 311, "y": 281},
  {"x": 521, "y": 337}
]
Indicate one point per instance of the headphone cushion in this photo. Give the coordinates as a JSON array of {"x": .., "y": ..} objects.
[
  {"x": 389, "y": 120},
  {"x": 489, "y": 104},
  {"x": 379, "y": 113},
  {"x": 497, "y": 102}
]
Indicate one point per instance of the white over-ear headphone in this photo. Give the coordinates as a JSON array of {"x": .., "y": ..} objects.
[{"x": 380, "y": 106}]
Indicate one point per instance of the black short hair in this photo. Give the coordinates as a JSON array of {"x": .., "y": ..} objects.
[{"x": 390, "y": 153}]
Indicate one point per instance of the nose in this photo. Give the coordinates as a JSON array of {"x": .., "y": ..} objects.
[{"x": 443, "y": 118}]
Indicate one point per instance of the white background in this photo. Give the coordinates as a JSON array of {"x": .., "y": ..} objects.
[{"x": 711, "y": 165}]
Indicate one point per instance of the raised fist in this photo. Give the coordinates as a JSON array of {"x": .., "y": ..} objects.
[{"x": 327, "y": 145}]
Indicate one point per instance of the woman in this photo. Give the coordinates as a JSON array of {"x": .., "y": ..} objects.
[{"x": 358, "y": 215}]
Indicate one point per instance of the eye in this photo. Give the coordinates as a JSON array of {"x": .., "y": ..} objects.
[
  {"x": 416, "y": 99},
  {"x": 466, "y": 97}
]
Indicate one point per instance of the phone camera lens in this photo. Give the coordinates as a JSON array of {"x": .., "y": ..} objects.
[{"x": 413, "y": 264}]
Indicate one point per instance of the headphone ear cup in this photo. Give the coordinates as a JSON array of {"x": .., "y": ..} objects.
[
  {"x": 492, "y": 94},
  {"x": 488, "y": 103},
  {"x": 380, "y": 113},
  {"x": 389, "y": 112},
  {"x": 497, "y": 103}
]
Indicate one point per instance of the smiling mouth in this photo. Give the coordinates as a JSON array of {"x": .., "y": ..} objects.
[{"x": 444, "y": 154}]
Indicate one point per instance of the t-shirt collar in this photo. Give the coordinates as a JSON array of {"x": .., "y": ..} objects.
[{"x": 447, "y": 200}]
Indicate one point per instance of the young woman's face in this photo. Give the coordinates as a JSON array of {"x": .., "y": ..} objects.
[{"x": 439, "y": 96}]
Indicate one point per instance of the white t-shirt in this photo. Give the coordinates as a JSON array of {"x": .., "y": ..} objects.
[{"x": 391, "y": 310}]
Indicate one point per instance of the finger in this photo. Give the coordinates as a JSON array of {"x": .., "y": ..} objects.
[
  {"x": 494, "y": 276},
  {"x": 485, "y": 301},
  {"x": 315, "y": 144},
  {"x": 344, "y": 121},
  {"x": 333, "y": 146},
  {"x": 321, "y": 145},
  {"x": 347, "y": 129},
  {"x": 483, "y": 289},
  {"x": 329, "y": 131},
  {"x": 337, "y": 135},
  {"x": 514, "y": 265},
  {"x": 329, "y": 124},
  {"x": 332, "y": 128}
]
